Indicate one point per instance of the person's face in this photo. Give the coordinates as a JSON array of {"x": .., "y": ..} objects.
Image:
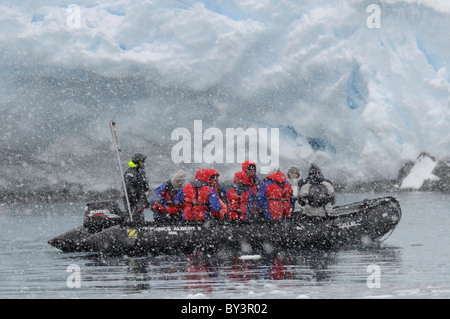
[
  {"x": 214, "y": 179},
  {"x": 180, "y": 182},
  {"x": 251, "y": 170},
  {"x": 293, "y": 175}
]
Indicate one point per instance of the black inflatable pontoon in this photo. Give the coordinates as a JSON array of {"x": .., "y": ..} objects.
[{"x": 103, "y": 231}]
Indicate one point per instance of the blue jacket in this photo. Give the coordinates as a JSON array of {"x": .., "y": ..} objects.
[{"x": 163, "y": 197}]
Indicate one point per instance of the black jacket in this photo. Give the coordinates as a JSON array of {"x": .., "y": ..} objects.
[{"x": 137, "y": 186}]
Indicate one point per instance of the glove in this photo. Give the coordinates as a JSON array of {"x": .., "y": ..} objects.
[
  {"x": 220, "y": 215},
  {"x": 171, "y": 210},
  {"x": 158, "y": 208}
]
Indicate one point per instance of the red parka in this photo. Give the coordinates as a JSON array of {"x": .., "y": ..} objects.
[{"x": 197, "y": 200}]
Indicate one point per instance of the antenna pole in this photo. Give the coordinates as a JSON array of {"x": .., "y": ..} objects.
[{"x": 118, "y": 148}]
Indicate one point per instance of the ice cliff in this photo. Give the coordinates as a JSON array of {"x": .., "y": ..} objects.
[{"x": 359, "y": 87}]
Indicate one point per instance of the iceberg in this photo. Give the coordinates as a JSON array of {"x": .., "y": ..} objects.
[
  {"x": 358, "y": 88},
  {"x": 421, "y": 171},
  {"x": 426, "y": 173}
]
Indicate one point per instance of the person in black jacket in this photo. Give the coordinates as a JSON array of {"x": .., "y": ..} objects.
[
  {"x": 137, "y": 187},
  {"x": 316, "y": 195}
]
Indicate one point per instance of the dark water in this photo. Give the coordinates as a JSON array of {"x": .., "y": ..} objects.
[{"x": 414, "y": 262}]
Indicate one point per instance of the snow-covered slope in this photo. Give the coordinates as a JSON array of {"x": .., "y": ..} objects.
[{"x": 358, "y": 99}]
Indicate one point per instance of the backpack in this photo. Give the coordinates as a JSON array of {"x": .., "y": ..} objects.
[{"x": 318, "y": 195}]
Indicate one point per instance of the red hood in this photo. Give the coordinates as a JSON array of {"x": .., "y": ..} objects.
[
  {"x": 211, "y": 172},
  {"x": 203, "y": 175},
  {"x": 278, "y": 177},
  {"x": 241, "y": 177},
  {"x": 246, "y": 164}
]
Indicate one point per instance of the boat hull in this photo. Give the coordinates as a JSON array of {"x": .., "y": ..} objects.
[{"x": 362, "y": 222}]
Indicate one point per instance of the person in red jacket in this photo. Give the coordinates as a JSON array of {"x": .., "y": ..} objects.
[
  {"x": 274, "y": 199},
  {"x": 249, "y": 168},
  {"x": 240, "y": 198},
  {"x": 197, "y": 200},
  {"x": 221, "y": 192},
  {"x": 215, "y": 185}
]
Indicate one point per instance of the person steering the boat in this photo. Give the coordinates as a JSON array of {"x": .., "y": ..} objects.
[
  {"x": 197, "y": 200},
  {"x": 162, "y": 202},
  {"x": 274, "y": 199},
  {"x": 317, "y": 195},
  {"x": 136, "y": 187}
]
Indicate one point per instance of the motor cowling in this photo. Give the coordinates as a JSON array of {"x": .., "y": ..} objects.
[{"x": 101, "y": 215}]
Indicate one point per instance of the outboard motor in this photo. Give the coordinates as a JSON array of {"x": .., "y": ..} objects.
[{"x": 101, "y": 215}]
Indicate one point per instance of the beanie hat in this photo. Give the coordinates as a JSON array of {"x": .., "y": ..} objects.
[
  {"x": 177, "y": 177},
  {"x": 137, "y": 159}
]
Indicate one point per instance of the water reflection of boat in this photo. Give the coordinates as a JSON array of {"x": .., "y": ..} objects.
[
  {"x": 362, "y": 222},
  {"x": 230, "y": 273}
]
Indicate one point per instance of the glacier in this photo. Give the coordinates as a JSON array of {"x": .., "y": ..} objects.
[{"x": 358, "y": 100}]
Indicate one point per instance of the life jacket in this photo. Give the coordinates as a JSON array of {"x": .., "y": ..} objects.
[
  {"x": 275, "y": 197},
  {"x": 164, "y": 196},
  {"x": 279, "y": 200},
  {"x": 318, "y": 195},
  {"x": 219, "y": 189},
  {"x": 254, "y": 183},
  {"x": 240, "y": 198},
  {"x": 198, "y": 199},
  {"x": 169, "y": 194}
]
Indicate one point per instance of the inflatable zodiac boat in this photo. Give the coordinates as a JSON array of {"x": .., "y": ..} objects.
[{"x": 104, "y": 231}]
